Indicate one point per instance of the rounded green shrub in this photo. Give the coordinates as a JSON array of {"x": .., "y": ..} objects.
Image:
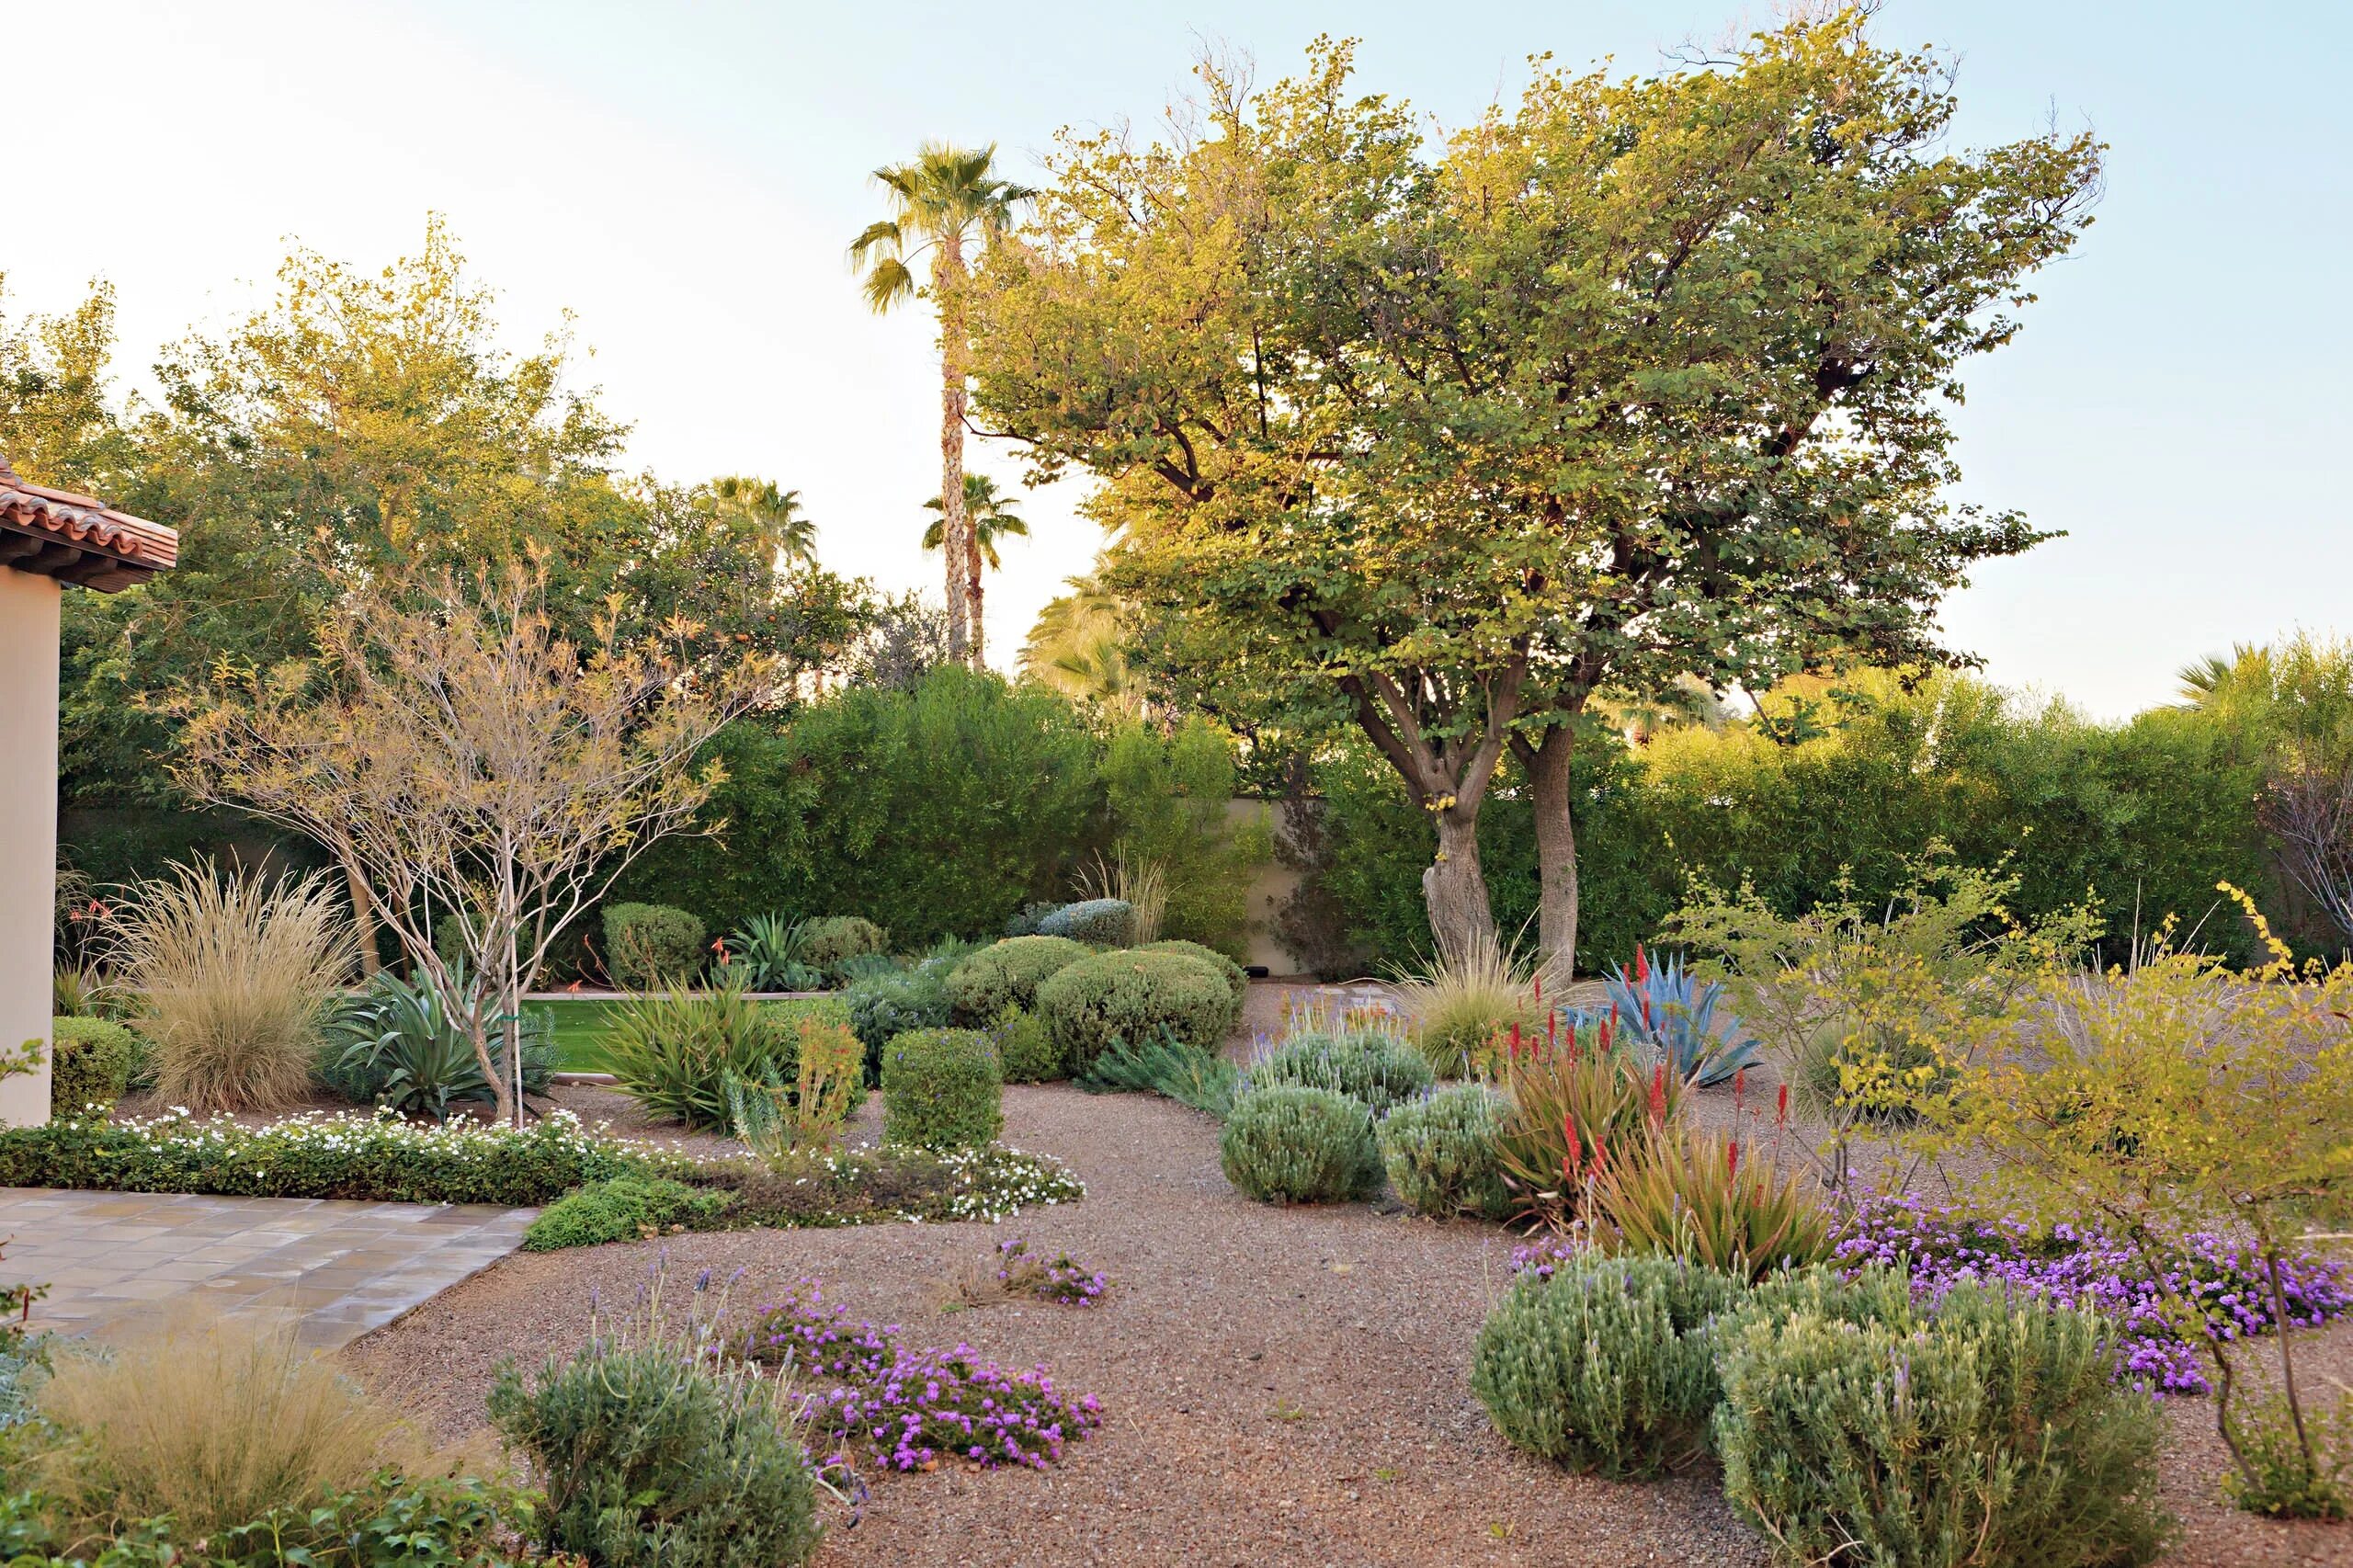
[
  {"x": 1605, "y": 1367},
  {"x": 653, "y": 1458},
  {"x": 1378, "y": 1069},
  {"x": 1989, "y": 1432},
  {"x": 1105, "y": 922},
  {"x": 1026, "y": 1047},
  {"x": 829, "y": 941},
  {"x": 1131, "y": 996},
  {"x": 1237, "y": 979},
  {"x": 1439, "y": 1151},
  {"x": 626, "y": 1208},
  {"x": 942, "y": 1089},
  {"x": 651, "y": 944},
  {"x": 92, "y": 1061},
  {"x": 1007, "y": 974},
  {"x": 1290, "y": 1144},
  {"x": 884, "y": 1006}
]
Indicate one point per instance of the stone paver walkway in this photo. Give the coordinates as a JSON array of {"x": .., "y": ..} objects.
[{"x": 113, "y": 1260}]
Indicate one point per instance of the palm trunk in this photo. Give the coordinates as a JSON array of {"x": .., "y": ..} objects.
[
  {"x": 955, "y": 532},
  {"x": 973, "y": 596},
  {"x": 1547, "y": 767}
]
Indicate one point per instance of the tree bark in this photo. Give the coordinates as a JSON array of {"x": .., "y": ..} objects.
[
  {"x": 363, "y": 919},
  {"x": 1454, "y": 887},
  {"x": 955, "y": 529},
  {"x": 1547, "y": 767},
  {"x": 972, "y": 601}
]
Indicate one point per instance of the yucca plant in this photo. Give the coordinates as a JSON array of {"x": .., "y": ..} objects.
[
  {"x": 1580, "y": 1104},
  {"x": 770, "y": 949},
  {"x": 1663, "y": 1007},
  {"x": 235, "y": 976},
  {"x": 1691, "y": 1195},
  {"x": 672, "y": 1051}
]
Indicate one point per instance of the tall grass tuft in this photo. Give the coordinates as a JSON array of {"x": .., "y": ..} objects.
[
  {"x": 215, "y": 1425},
  {"x": 235, "y": 976},
  {"x": 1132, "y": 879},
  {"x": 1465, "y": 1003}
]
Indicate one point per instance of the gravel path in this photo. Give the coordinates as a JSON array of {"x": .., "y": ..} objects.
[{"x": 1280, "y": 1384}]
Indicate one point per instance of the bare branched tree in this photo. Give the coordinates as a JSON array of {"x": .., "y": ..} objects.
[
  {"x": 2307, "y": 805},
  {"x": 477, "y": 768}
]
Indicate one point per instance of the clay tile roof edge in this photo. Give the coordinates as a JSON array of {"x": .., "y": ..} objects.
[{"x": 85, "y": 521}]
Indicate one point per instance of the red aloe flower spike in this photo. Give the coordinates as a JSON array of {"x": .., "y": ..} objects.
[
  {"x": 1732, "y": 1157},
  {"x": 1642, "y": 963},
  {"x": 1576, "y": 1152},
  {"x": 1515, "y": 1037},
  {"x": 1781, "y": 1106},
  {"x": 1600, "y": 1154},
  {"x": 1739, "y": 1088},
  {"x": 1538, "y": 978},
  {"x": 1658, "y": 1093},
  {"x": 1552, "y": 1027}
]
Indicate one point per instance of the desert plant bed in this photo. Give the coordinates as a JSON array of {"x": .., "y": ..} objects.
[{"x": 1288, "y": 1383}]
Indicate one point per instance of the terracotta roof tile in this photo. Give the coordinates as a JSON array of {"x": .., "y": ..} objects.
[{"x": 77, "y": 538}]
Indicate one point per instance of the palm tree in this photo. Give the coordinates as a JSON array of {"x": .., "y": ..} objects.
[
  {"x": 946, "y": 199},
  {"x": 2219, "y": 680},
  {"x": 991, "y": 516},
  {"x": 1079, "y": 647},
  {"x": 776, "y": 513}
]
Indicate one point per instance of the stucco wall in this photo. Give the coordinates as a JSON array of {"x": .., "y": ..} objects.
[{"x": 28, "y": 807}]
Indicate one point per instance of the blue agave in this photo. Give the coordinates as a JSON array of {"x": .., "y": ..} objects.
[{"x": 1665, "y": 1007}]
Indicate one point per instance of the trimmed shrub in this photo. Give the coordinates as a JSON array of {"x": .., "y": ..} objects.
[
  {"x": 1237, "y": 979},
  {"x": 652, "y": 944},
  {"x": 1132, "y": 997},
  {"x": 1605, "y": 1366},
  {"x": 1007, "y": 974},
  {"x": 91, "y": 1063},
  {"x": 1105, "y": 922},
  {"x": 626, "y": 1208},
  {"x": 829, "y": 941},
  {"x": 652, "y": 1457},
  {"x": 884, "y": 1006},
  {"x": 1378, "y": 1069},
  {"x": 1989, "y": 1434},
  {"x": 1439, "y": 1151},
  {"x": 1290, "y": 1144},
  {"x": 942, "y": 1089},
  {"x": 1026, "y": 1047},
  {"x": 1023, "y": 922}
]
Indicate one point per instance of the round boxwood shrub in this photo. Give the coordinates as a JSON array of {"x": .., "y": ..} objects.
[
  {"x": 1991, "y": 1426},
  {"x": 1439, "y": 1151},
  {"x": 1606, "y": 1365},
  {"x": 1007, "y": 974},
  {"x": 1378, "y": 1069},
  {"x": 1291, "y": 1145},
  {"x": 1237, "y": 979},
  {"x": 91, "y": 1062},
  {"x": 1131, "y": 996},
  {"x": 1026, "y": 1047},
  {"x": 829, "y": 941},
  {"x": 1105, "y": 922},
  {"x": 651, "y": 944},
  {"x": 942, "y": 1089}
]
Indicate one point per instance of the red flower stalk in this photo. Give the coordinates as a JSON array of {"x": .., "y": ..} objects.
[
  {"x": 1658, "y": 1093},
  {"x": 1739, "y": 1089},
  {"x": 1732, "y": 1157},
  {"x": 1577, "y": 1151},
  {"x": 1538, "y": 978},
  {"x": 1515, "y": 1037},
  {"x": 1600, "y": 1154},
  {"x": 1781, "y": 1106},
  {"x": 1642, "y": 963},
  {"x": 1552, "y": 1027}
]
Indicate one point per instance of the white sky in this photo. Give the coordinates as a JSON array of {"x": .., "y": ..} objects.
[{"x": 684, "y": 178}]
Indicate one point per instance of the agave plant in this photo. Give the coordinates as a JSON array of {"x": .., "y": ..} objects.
[
  {"x": 401, "y": 1044},
  {"x": 1666, "y": 1008},
  {"x": 771, "y": 950}
]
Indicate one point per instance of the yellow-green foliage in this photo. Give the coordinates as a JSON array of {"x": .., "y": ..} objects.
[
  {"x": 1464, "y": 1007},
  {"x": 1133, "y": 995},
  {"x": 91, "y": 1062},
  {"x": 1007, "y": 974},
  {"x": 1991, "y": 1436},
  {"x": 942, "y": 1089},
  {"x": 1692, "y": 1195}
]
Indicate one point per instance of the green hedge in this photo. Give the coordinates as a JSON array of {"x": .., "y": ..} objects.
[
  {"x": 92, "y": 1061},
  {"x": 942, "y": 1089},
  {"x": 1131, "y": 996}
]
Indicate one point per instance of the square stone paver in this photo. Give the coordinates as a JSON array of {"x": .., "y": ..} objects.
[{"x": 114, "y": 1261}]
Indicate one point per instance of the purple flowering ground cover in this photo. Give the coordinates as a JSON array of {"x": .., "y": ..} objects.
[{"x": 905, "y": 1408}]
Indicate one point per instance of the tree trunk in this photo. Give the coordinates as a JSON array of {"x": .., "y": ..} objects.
[
  {"x": 363, "y": 919},
  {"x": 1454, "y": 887},
  {"x": 955, "y": 527},
  {"x": 972, "y": 597},
  {"x": 1546, "y": 766}
]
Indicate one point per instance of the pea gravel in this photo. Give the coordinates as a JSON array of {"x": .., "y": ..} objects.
[{"x": 1280, "y": 1385}]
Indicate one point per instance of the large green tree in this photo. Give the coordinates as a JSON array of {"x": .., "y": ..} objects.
[
  {"x": 947, "y": 202},
  {"x": 1644, "y": 379}
]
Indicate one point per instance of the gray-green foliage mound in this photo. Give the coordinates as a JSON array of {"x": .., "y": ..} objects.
[
  {"x": 1605, "y": 1367},
  {"x": 1007, "y": 974},
  {"x": 1290, "y": 1144},
  {"x": 1439, "y": 1151},
  {"x": 1237, "y": 979},
  {"x": 1989, "y": 1434},
  {"x": 1133, "y": 995},
  {"x": 1378, "y": 1069}
]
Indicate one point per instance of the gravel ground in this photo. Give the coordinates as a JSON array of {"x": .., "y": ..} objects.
[{"x": 1279, "y": 1385}]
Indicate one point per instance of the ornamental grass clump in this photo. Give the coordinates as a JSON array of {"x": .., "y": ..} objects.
[
  {"x": 1603, "y": 1364},
  {"x": 942, "y": 1089},
  {"x": 904, "y": 1409},
  {"x": 1440, "y": 1153},
  {"x": 1692, "y": 1195},
  {"x": 1369, "y": 1065},
  {"x": 1468, "y": 1002},
  {"x": 1290, "y": 1144},
  {"x": 236, "y": 978},
  {"x": 657, "y": 1452},
  {"x": 1989, "y": 1435}
]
